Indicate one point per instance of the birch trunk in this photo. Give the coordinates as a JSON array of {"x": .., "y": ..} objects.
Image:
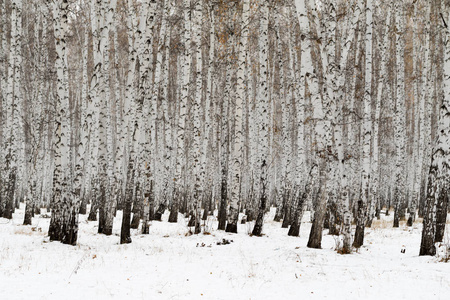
[
  {"x": 64, "y": 221},
  {"x": 10, "y": 138},
  {"x": 400, "y": 115},
  {"x": 237, "y": 154},
  {"x": 438, "y": 178},
  {"x": 196, "y": 155},
  {"x": 305, "y": 69},
  {"x": 263, "y": 109},
  {"x": 130, "y": 125},
  {"x": 367, "y": 132},
  {"x": 417, "y": 165},
  {"x": 186, "y": 70}
]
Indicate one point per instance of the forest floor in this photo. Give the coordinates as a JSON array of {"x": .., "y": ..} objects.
[{"x": 170, "y": 264}]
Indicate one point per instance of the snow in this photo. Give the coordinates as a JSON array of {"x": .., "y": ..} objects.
[{"x": 168, "y": 264}]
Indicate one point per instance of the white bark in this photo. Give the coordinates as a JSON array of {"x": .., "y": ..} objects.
[
  {"x": 85, "y": 122},
  {"x": 367, "y": 130},
  {"x": 186, "y": 68},
  {"x": 438, "y": 179},
  {"x": 237, "y": 154},
  {"x": 263, "y": 111},
  {"x": 400, "y": 113},
  {"x": 64, "y": 221},
  {"x": 197, "y": 148},
  {"x": 12, "y": 92},
  {"x": 382, "y": 86}
]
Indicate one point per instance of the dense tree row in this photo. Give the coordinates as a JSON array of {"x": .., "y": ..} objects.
[{"x": 337, "y": 107}]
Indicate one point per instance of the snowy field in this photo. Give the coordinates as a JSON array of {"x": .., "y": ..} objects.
[{"x": 167, "y": 264}]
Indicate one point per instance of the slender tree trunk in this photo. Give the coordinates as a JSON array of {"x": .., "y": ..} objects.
[
  {"x": 64, "y": 221},
  {"x": 438, "y": 180},
  {"x": 263, "y": 108},
  {"x": 237, "y": 154},
  {"x": 186, "y": 71},
  {"x": 400, "y": 122},
  {"x": 367, "y": 132},
  {"x": 130, "y": 126}
]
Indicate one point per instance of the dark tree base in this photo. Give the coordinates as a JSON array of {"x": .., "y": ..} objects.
[
  {"x": 278, "y": 214},
  {"x": 257, "y": 230},
  {"x": 145, "y": 228},
  {"x": 294, "y": 230},
  {"x": 378, "y": 213},
  {"x": 333, "y": 220},
  {"x": 173, "y": 216},
  {"x": 159, "y": 212},
  {"x": 315, "y": 237},
  {"x": 359, "y": 236},
  {"x": 441, "y": 217},
  {"x": 191, "y": 222},
  {"x": 231, "y": 228},
  {"x": 440, "y": 229},
  {"x": 222, "y": 225},
  {"x": 396, "y": 222},
  {"x": 7, "y": 213},
  {"x": 250, "y": 216},
  {"x": 37, "y": 210},
  {"x": 107, "y": 230},
  {"x": 53, "y": 233},
  {"x": 344, "y": 250},
  {"x": 222, "y": 218},
  {"x": 198, "y": 228},
  {"x": 157, "y": 217},
  {"x": 431, "y": 250},
  {"x": 411, "y": 220},
  {"x": 151, "y": 212},
  {"x": 135, "y": 221},
  {"x": 205, "y": 215},
  {"x": 360, "y": 225},
  {"x": 125, "y": 237},
  {"x": 334, "y": 230},
  {"x": 126, "y": 240},
  {"x": 65, "y": 231},
  {"x": 92, "y": 216},
  {"x": 369, "y": 222},
  {"x": 101, "y": 220},
  {"x": 28, "y": 215},
  {"x": 83, "y": 208},
  {"x": 286, "y": 218},
  {"x": 326, "y": 221}
]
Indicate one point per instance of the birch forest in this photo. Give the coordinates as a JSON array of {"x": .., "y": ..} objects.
[{"x": 217, "y": 111}]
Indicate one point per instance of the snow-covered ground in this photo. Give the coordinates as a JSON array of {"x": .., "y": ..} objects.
[{"x": 167, "y": 264}]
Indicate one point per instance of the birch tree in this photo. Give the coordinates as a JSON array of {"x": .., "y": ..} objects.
[
  {"x": 400, "y": 121},
  {"x": 64, "y": 220},
  {"x": 13, "y": 99},
  {"x": 238, "y": 128},
  {"x": 186, "y": 67},
  {"x": 367, "y": 130},
  {"x": 263, "y": 109},
  {"x": 438, "y": 179}
]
